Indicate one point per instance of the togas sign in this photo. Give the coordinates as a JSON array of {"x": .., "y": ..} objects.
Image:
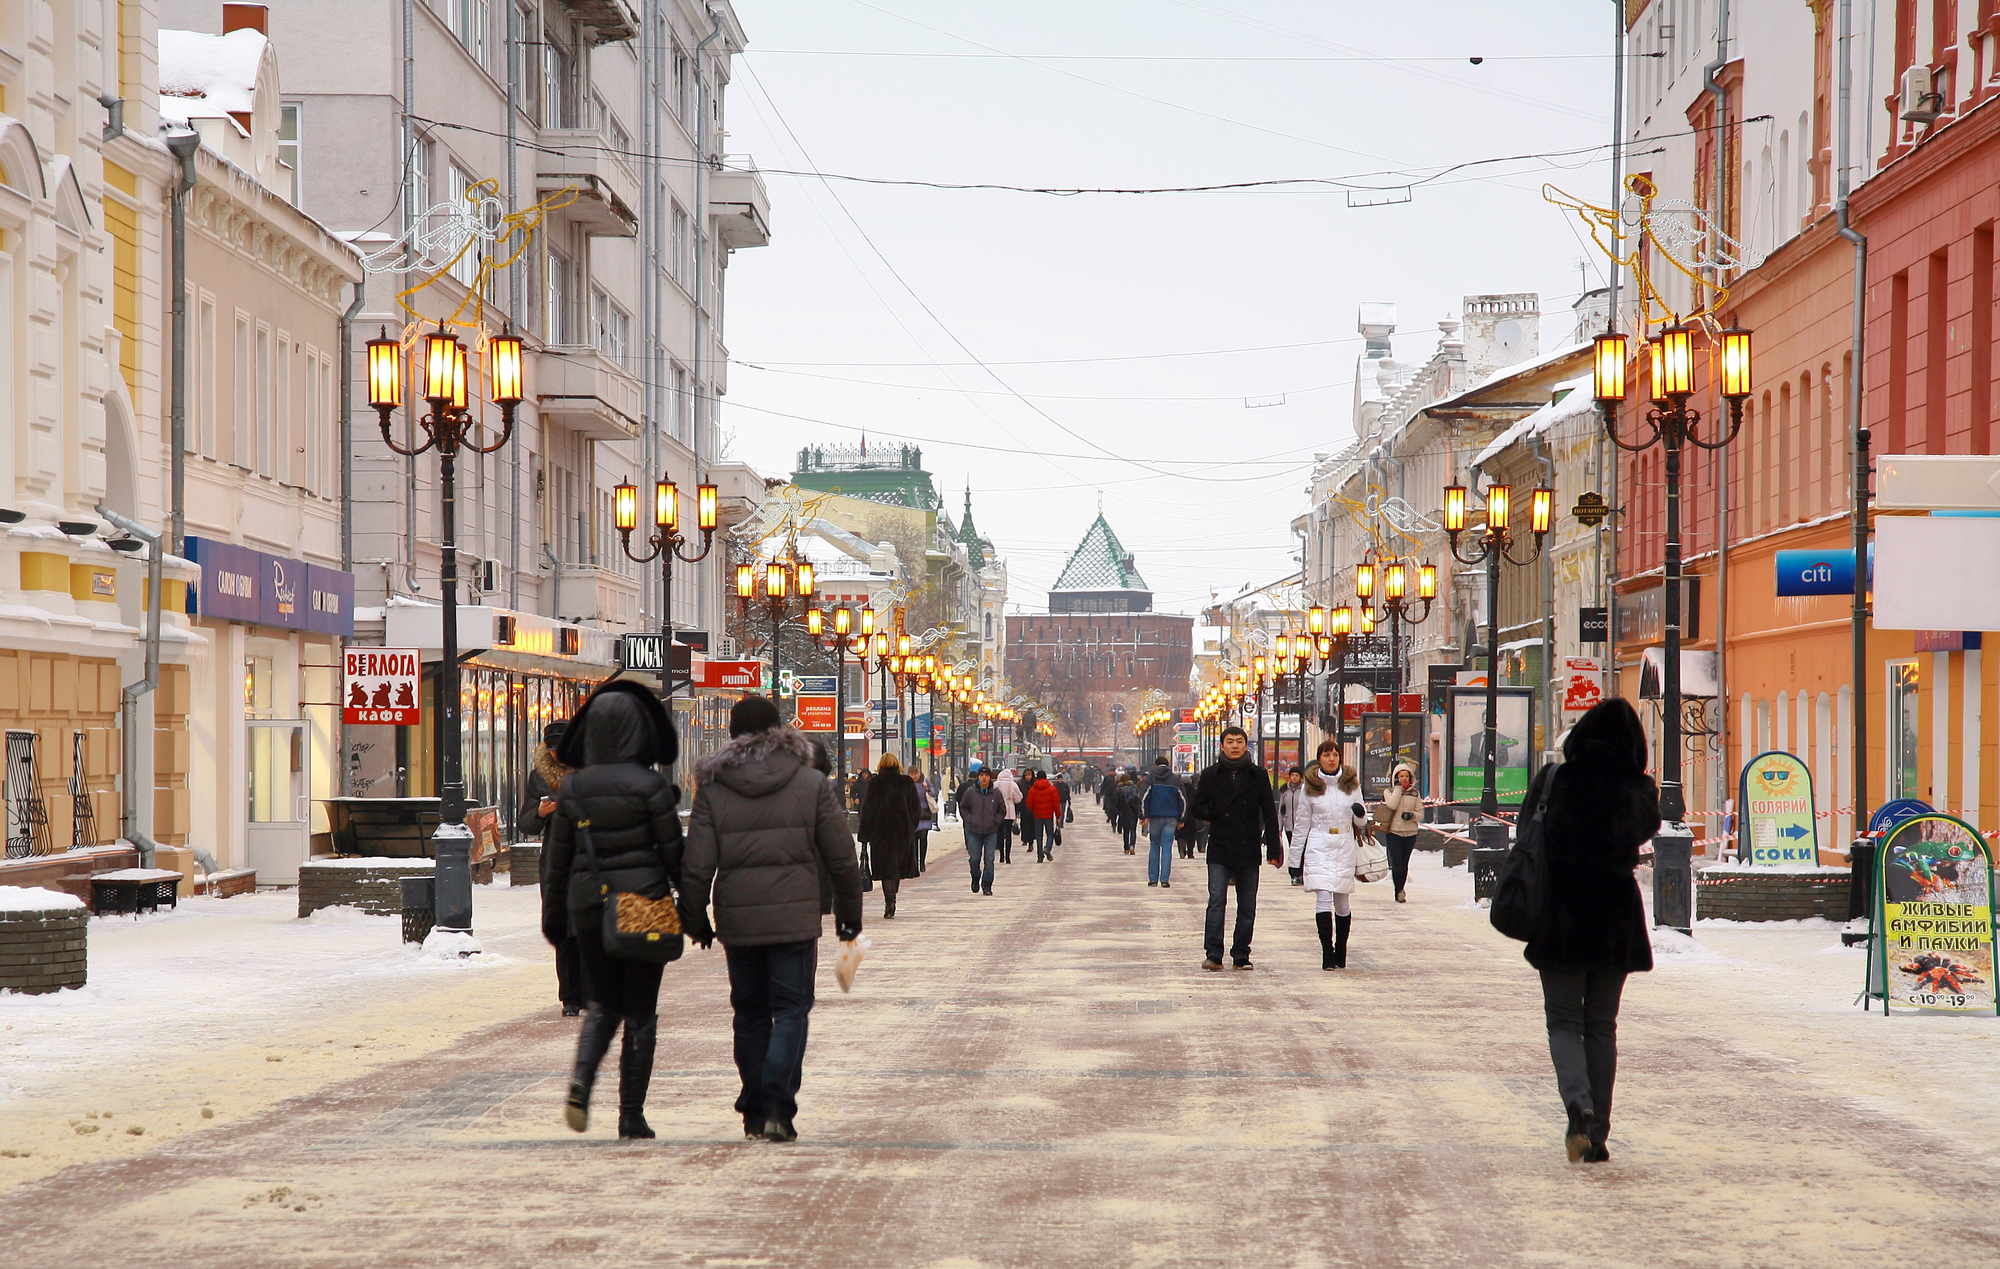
[{"x": 1775, "y": 798}]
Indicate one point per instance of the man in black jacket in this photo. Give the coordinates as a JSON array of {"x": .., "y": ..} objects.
[{"x": 1234, "y": 796}]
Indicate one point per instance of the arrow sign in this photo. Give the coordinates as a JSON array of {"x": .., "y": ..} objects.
[{"x": 1794, "y": 831}]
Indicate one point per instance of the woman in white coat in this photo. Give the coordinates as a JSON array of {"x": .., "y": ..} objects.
[{"x": 1325, "y": 841}]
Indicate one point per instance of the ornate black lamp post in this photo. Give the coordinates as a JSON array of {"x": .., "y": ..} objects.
[
  {"x": 784, "y": 580},
  {"x": 1671, "y": 423},
  {"x": 1493, "y": 544},
  {"x": 836, "y": 638},
  {"x": 665, "y": 544},
  {"x": 1399, "y": 606},
  {"x": 450, "y": 426}
]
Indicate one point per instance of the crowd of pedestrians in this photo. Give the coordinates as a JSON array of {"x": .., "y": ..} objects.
[{"x": 769, "y": 853}]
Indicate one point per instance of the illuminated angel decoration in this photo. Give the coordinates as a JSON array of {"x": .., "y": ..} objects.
[
  {"x": 1682, "y": 234},
  {"x": 440, "y": 239}
]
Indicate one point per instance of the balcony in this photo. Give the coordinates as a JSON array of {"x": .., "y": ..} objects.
[
  {"x": 606, "y": 190},
  {"x": 587, "y": 392},
  {"x": 739, "y": 204}
]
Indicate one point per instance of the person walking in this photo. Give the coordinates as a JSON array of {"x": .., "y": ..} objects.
[
  {"x": 889, "y": 816},
  {"x": 614, "y": 829},
  {"x": 1403, "y": 810},
  {"x": 1592, "y": 933},
  {"x": 1045, "y": 804},
  {"x": 1234, "y": 796},
  {"x": 768, "y": 845},
  {"x": 1010, "y": 792},
  {"x": 927, "y": 795},
  {"x": 1325, "y": 840},
  {"x": 1288, "y": 809},
  {"x": 538, "y": 806},
  {"x": 1030, "y": 834},
  {"x": 981, "y": 812},
  {"x": 1107, "y": 790},
  {"x": 1126, "y": 794},
  {"x": 857, "y": 789},
  {"x": 1162, "y": 808}
]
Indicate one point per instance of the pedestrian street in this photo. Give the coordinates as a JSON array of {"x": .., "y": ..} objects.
[{"x": 1043, "y": 1077}]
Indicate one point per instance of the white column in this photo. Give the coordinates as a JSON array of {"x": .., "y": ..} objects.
[
  {"x": 1783, "y": 740},
  {"x": 1843, "y": 769},
  {"x": 1969, "y": 739},
  {"x": 1940, "y": 702},
  {"x": 1823, "y": 776}
]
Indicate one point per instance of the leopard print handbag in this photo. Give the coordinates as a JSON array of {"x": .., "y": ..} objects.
[{"x": 636, "y": 928}]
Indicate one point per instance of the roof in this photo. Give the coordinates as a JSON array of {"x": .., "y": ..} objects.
[
  {"x": 968, "y": 537},
  {"x": 1575, "y": 398},
  {"x": 1100, "y": 562},
  {"x": 208, "y": 76},
  {"x": 1470, "y": 398}
]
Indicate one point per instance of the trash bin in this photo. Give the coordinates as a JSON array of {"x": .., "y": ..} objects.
[
  {"x": 419, "y": 912},
  {"x": 1489, "y": 851}
]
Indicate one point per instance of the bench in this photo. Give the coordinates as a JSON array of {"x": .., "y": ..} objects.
[{"x": 134, "y": 890}]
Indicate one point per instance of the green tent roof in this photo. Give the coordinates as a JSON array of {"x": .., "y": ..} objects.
[{"x": 1100, "y": 562}]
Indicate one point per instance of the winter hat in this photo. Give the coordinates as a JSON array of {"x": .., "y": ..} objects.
[
  {"x": 752, "y": 713},
  {"x": 976, "y": 764},
  {"x": 553, "y": 733}
]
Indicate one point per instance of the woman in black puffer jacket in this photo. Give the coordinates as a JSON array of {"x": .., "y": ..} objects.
[
  {"x": 617, "y": 738},
  {"x": 1602, "y": 806}
]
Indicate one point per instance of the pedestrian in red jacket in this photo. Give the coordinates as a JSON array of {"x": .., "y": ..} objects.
[{"x": 1045, "y": 804}]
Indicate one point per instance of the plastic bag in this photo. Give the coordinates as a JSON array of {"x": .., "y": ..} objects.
[{"x": 850, "y": 960}]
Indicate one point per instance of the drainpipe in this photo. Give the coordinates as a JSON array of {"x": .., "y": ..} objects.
[
  {"x": 129, "y": 820},
  {"x": 1855, "y": 421},
  {"x": 347, "y": 476},
  {"x": 557, "y": 565},
  {"x": 183, "y": 146},
  {"x": 701, "y": 265},
  {"x": 1716, "y": 213},
  {"x": 1548, "y": 608}
]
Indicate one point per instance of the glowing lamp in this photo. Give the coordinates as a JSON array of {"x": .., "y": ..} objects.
[
  {"x": 746, "y": 581},
  {"x": 843, "y": 621},
  {"x": 1677, "y": 361},
  {"x": 1316, "y": 620},
  {"x": 1427, "y": 581},
  {"x": 805, "y": 579},
  {"x": 1540, "y": 508},
  {"x": 1394, "y": 582},
  {"x": 625, "y": 506},
  {"x": 1736, "y": 383},
  {"x": 385, "y": 372},
  {"x": 867, "y": 621},
  {"x": 1657, "y": 359},
  {"x": 1609, "y": 367},
  {"x": 666, "y": 505},
  {"x": 1499, "y": 502},
  {"x": 503, "y": 356},
  {"x": 1364, "y": 581},
  {"x": 1454, "y": 508},
  {"x": 1343, "y": 620},
  {"x": 815, "y": 623},
  {"x": 440, "y": 365}
]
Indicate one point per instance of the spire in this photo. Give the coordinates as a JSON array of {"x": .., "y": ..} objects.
[
  {"x": 1101, "y": 563},
  {"x": 975, "y": 554}
]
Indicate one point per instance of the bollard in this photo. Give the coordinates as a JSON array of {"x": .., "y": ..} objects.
[
  {"x": 451, "y": 846},
  {"x": 1673, "y": 878},
  {"x": 1489, "y": 851},
  {"x": 418, "y": 908}
]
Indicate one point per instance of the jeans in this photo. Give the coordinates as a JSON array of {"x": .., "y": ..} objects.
[
  {"x": 771, "y": 990},
  {"x": 980, "y": 849},
  {"x": 1220, "y": 878},
  {"x": 1399, "y": 857},
  {"x": 1582, "y": 1009},
  {"x": 1045, "y": 839},
  {"x": 1160, "y": 858},
  {"x": 1128, "y": 829}
]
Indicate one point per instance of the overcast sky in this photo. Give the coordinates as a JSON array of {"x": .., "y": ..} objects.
[{"x": 1135, "y": 347}]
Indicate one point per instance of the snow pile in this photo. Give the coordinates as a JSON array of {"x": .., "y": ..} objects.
[
  {"x": 446, "y": 945},
  {"x": 1680, "y": 948},
  {"x": 35, "y": 899},
  {"x": 373, "y": 861},
  {"x": 347, "y": 914},
  {"x": 1765, "y": 870},
  {"x": 208, "y": 76}
]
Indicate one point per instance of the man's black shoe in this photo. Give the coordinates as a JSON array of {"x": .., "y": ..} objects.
[{"x": 780, "y": 1130}]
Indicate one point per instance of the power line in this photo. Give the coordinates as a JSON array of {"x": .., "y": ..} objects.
[{"x": 1182, "y": 57}]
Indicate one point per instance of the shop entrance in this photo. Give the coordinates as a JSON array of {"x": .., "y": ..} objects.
[{"x": 280, "y": 787}]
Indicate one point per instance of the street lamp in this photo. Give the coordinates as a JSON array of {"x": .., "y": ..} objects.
[
  {"x": 834, "y": 631},
  {"x": 1671, "y": 424},
  {"x": 785, "y": 577},
  {"x": 449, "y": 427},
  {"x": 666, "y": 544},
  {"x": 1399, "y": 606},
  {"x": 1493, "y": 542}
]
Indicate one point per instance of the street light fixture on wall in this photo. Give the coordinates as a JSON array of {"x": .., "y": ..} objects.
[{"x": 448, "y": 428}]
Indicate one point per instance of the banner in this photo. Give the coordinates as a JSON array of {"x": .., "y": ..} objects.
[
  {"x": 1466, "y": 718},
  {"x": 740, "y": 676},
  {"x": 1376, "y": 767},
  {"x": 816, "y": 713},
  {"x": 380, "y": 686},
  {"x": 1582, "y": 684},
  {"x": 1775, "y": 812},
  {"x": 1934, "y": 918}
]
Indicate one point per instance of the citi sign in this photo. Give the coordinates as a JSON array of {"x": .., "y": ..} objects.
[{"x": 1816, "y": 572}]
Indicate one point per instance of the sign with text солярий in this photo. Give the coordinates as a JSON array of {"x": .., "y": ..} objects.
[{"x": 1774, "y": 802}]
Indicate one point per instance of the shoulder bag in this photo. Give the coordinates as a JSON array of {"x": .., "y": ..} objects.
[
  {"x": 635, "y": 928},
  {"x": 1523, "y": 880}
]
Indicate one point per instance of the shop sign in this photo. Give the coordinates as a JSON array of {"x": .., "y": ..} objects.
[
  {"x": 255, "y": 588},
  {"x": 1827, "y": 572},
  {"x": 814, "y": 685},
  {"x": 1934, "y": 896},
  {"x": 816, "y": 712},
  {"x": 735, "y": 676},
  {"x": 1593, "y": 625},
  {"x": 642, "y": 651},
  {"x": 1776, "y": 826},
  {"x": 1641, "y": 615},
  {"x": 381, "y": 686},
  {"x": 1890, "y": 814},
  {"x": 1583, "y": 684},
  {"x": 856, "y": 723}
]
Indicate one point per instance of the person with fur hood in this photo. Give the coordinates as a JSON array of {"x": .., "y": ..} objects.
[
  {"x": 1325, "y": 840},
  {"x": 768, "y": 845},
  {"x": 545, "y": 778},
  {"x": 1601, "y": 807},
  {"x": 889, "y": 815},
  {"x": 614, "y": 829},
  {"x": 1010, "y": 794},
  {"x": 1403, "y": 811}
]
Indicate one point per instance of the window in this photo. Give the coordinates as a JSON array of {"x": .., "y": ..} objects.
[
  {"x": 681, "y": 266},
  {"x": 284, "y": 445},
  {"x": 420, "y": 178},
  {"x": 683, "y": 83},
  {"x": 560, "y": 288},
  {"x": 558, "y": 82},
  {"x": 265, "y": 464},
  {"x": 682, "y": 407},
  {"x": 240, "y": 425},
  {"x": 610, "y": 327},
  {"x": 288, "y": 151},
  {"x": 468, "y": 20},
  {"x": 205, "y": 377},
  {"x": 310, "y": 423},
  {"x": 527, "y": 73},
  {"x": 1904, "y": 683},
  {"x": 465, "y": 269}
]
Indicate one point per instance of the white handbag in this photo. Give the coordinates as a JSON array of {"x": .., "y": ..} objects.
[{"x": 1371, "y": 859}]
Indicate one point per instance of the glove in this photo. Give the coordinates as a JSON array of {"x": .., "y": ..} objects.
[
  {"x": 847, "y": 933},
  {"x": 555, "y": 932},
  {"x": 695, "y": 925}
]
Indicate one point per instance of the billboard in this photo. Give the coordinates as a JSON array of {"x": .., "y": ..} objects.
[{"x": 1514, "y": 730}]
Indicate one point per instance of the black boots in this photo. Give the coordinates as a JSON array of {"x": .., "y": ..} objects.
[
  {"x": 635, "y": 1075},
  {"x": 1341, "y": 925},
  {"x": 591, "y": 1043},
  {"x": 1324, "y": 920}
]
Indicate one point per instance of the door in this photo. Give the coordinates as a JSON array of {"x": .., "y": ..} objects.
[{"x": 280, "y": 830}]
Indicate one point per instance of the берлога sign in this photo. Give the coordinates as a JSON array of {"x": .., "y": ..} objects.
[{"x": 379, "y": 685}]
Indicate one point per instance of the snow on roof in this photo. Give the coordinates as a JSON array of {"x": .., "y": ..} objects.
[
  {"x": 1576, "y": 399},
  {"x": 35, "y": 899},
  {"x": 207, "y": 76},
  {"x": 1505, "y": 373}
]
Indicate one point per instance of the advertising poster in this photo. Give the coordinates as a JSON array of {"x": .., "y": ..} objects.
[
  {"x": 381, "y": 686},
  {"x": 816, "y": 713},
  {"x": 1583, "y": 684},
  {"x": 1375, "y": 763},
  {"x": 1934, "y": 887},
  {"x": 1775, "y": 824},
  {"x": 1467, "y": 737}
]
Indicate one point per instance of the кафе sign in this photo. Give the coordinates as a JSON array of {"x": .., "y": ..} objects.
[{"x": 256, "y": 588}]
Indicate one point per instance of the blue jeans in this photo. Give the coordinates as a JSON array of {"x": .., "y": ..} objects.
[
  {"x": 771, "y": 990},
  {"x": 1220, "y": 878},
  {"x": 1160, "y": 858},
  {"x": 1045, "y": 839},
  {"x": 979, "y": 850}
]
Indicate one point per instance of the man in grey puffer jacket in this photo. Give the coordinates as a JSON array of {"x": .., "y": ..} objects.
[{"x": 766, "y": 828}]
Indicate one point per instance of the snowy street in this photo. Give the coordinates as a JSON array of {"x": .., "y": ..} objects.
[{"x": 1043, "y": 1077}]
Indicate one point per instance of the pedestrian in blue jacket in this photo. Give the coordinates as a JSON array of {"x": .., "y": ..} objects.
[{"x": 1162, "y": 808}]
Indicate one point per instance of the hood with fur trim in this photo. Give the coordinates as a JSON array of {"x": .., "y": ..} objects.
[
  {"x": 550, "y": 768},
  {"x": 757, "y": 763}
]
